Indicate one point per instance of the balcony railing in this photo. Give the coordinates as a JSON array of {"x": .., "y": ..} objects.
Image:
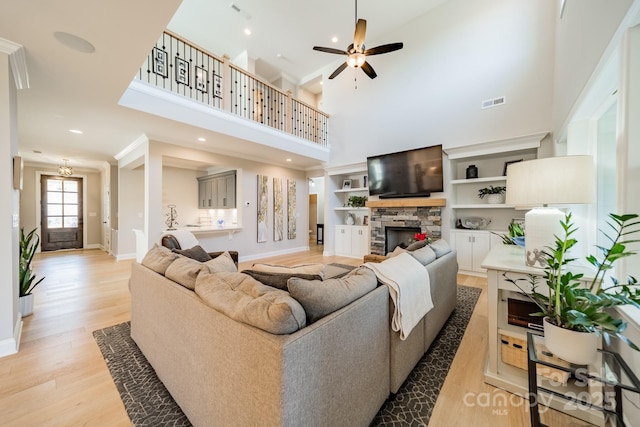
[{"x": 188, "y": 70}]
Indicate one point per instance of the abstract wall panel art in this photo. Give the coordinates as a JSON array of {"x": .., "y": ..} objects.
[
  {"x": 263, "y": 207},
  {"x": 278, "y": 214},
  {"x": 291, "y": 209}
]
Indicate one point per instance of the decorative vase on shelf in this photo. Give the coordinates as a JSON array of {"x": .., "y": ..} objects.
[
  {"x": 576, "y": 347},
  {"x": 495, "y": 199},
  {"x": 350, "y": 220}
]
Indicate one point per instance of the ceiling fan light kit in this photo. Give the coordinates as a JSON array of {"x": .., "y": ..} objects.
[{"x": 356, "y": 52}]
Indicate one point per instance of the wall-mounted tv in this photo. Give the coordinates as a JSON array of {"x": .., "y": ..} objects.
[{"x": 411, "y": 173}]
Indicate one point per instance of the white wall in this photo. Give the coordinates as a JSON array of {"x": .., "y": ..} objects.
[
  {"x": 10, "y": 322},
  {"x": 430, "y": 92},
  {"x": 130, "y": 210},
  {"x": 582, "y": 35},
  {"x": 180, "y": 188}
]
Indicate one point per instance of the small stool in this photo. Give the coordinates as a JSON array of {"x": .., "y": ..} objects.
[{"x": 320, "y": 234}]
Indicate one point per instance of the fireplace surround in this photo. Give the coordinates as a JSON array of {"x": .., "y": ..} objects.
[{"x": 422, "y": 219}]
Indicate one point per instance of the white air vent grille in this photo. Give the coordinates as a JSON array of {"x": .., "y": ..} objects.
[{"x": 493, "y": 102}]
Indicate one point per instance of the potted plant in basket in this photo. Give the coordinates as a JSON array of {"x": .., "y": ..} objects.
[
  {"x": 574, "y": 315},
  {"x": 28, "y": 246},
  {"x": 495, "y": 195}
]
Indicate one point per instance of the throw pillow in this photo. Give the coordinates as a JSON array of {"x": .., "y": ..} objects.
[
  {"x": 185, "y": 238},
  {"x": 195, "y": 252},
  {"x": 278, "y": 280},
  {"x": 315, "y": 269},
  {"x": 184, "y": 271},
  {"x": 158, "y": 258},
  {"x": 424, "y": 255},
  {"x": 222, "y": 263},
  {"x": 417, "y": 245},
  {"x": 246, "y": 300},
  {"x": 440, "y": 247},
  {"x": 322, "y": 298},
  {"x": 397, "y": 251}
]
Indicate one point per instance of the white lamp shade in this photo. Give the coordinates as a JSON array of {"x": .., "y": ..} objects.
[
  {"x": 554, "y": 180},
  {"x": 550, "y": 181}
]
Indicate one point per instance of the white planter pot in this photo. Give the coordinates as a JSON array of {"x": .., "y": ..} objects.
[
  {"x": 26, "y": 305},
  {"x": 576, "y": 347},
  {"x": 495, "y": 199}
]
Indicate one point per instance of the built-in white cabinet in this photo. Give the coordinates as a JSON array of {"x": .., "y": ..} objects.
[
  {"x": 217, "y": 191},
  {"x": 351, "y": 240},
  {"x": 472, "y": 247}
]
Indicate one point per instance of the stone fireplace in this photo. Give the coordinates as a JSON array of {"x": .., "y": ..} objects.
[
  {"x": 398, "y": 236},
  {"x": 416, "y": 219}
]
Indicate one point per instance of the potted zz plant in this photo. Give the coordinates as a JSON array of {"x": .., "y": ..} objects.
[
  {"x": 28, "y": 246},
  {"x": 575, "y": 316},
  {"x": 495, "y": 195}
]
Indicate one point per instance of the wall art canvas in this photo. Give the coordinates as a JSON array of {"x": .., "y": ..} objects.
[
  {"x": 263, "y": 207},
  {"x": 278, "y": 214},
  {"x": 182, "y": 71},
  {"x": 291, "y": 209},
  {"x": 160, "y": 62},
  {"x": 202, "y": 83}
]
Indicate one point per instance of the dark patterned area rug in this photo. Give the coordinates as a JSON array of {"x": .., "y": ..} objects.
[{"x": 148, "y": 403}]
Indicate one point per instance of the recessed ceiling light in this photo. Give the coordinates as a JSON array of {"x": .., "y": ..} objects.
[
  {"x": 321, "y": 82},
  {"x": 201, "y": 139},
  {"x": 75, "y": 131},
  {"x": 334, "y": 39},
  {"x": 288, "y": 160},
  {"x": 247, "y": 31},
  {"x": 74, "y": 42}
]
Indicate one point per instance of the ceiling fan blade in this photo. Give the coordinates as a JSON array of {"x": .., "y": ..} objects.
[
  {"x": 358, "y": 36},
  {"x": 385, "y": 48},
  {"x": 330, "y": 50},
  {"x": 338, "y": 70},
  {"x": 368, "y": 70}
]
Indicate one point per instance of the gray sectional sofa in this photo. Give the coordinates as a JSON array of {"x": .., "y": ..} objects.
[{"x": 337, "y": 371}]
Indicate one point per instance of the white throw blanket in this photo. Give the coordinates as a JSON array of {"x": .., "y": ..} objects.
[{"x": 409, "y": 287}]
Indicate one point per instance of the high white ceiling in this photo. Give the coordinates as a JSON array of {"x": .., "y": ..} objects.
[{"x": 74, "y": 90}]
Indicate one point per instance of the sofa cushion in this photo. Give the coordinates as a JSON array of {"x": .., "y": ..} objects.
[
  {"x": 184, "y": 271},
  {"x": 320, "y": 298},
  {"x": 314, "y": 269},
  {"x": 158, "y": 258},
  {"x": 195, "y": 252},
  {"x": 440, "y": 247},
  {"x": 417, "y": 245},
  {"x": 222, "y": 263},
  {"x": 397, "y": 251},
  {"x": 279, "y": 280},
  {"x": 244, "y": 299},
  {"x": 424, "y": 255}
]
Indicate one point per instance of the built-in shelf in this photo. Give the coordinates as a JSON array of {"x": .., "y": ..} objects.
[
  {"x": 483, "y": 206},
  {"x": 409, "y": 202},
  {"x": 351, "y": 190},
  {"x": 347, "y": 208},
  {"x": 475, "y": 180}
]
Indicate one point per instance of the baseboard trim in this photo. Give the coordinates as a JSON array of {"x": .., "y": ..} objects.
[
  {"x": 272, "y": 254},
  {"x": 12, "y": 345},
  {"x": 123, "y": 257}
]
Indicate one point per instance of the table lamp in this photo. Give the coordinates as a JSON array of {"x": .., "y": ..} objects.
[{"x": 543, "y": 182}]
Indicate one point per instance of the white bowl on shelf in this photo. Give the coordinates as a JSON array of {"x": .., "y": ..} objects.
[{"x": 474, "y": 222}]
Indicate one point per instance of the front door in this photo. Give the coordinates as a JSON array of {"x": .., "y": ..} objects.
[{"x": 61, "y": 213}]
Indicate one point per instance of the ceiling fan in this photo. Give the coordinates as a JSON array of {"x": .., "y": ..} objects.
[{"x": 356, "y": 52}]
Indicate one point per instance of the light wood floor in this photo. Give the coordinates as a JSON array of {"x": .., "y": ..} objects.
[{"x": 59, "y": 378}]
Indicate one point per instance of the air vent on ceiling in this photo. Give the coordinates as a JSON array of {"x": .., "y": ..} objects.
[
  {"x": 493, "y": 102},
  {"x": 235, "y": 7}
]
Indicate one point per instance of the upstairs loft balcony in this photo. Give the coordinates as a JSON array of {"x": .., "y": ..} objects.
[{"x": 184, "y": 69}]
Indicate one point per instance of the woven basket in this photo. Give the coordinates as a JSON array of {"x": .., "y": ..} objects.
[{"x": 514, "y": 353}]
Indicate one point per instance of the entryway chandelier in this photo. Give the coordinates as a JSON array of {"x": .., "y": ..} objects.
[{"x": 65, "y": 170}]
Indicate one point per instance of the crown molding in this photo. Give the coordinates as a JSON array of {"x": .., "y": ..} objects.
[
  {"x": 18, "y": 61},
  {"x": 493, "y": 147}
]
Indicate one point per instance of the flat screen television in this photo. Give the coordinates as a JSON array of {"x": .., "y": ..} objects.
[{"x": 411, "y": 173}]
